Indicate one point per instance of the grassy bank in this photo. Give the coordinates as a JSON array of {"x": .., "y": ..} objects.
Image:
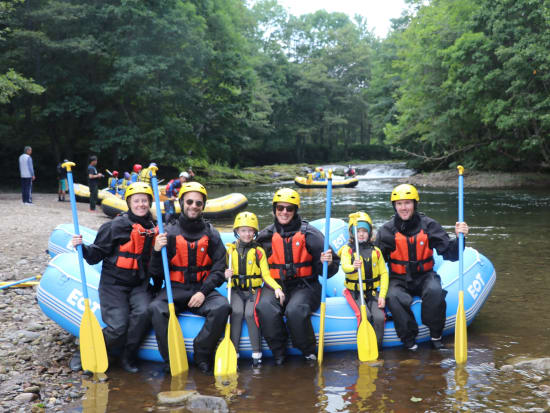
[{"x": 221, "y": 175}]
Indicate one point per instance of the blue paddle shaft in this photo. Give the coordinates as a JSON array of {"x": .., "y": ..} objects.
[
  {"x": 461, "y": 235},
  {"x": 327, "y": 236},
  {"x": 24, "y": 280},
  {"x": 154, "y": 183},
  {"x": 77, "y": 232}
]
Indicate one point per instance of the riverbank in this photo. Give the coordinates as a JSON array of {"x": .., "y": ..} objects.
[
  {"x": 479, "y": 179},
  {"x": 272, "y": 174},
  {"x": 34, "y": 351}
]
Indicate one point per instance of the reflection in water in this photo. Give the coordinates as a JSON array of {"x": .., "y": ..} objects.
[
  {"x": 358, "y": 394},
  {"x": 461, "y": 391},
  {"x": 227, "y": 386},
  {"x": 96, "y": 398}
]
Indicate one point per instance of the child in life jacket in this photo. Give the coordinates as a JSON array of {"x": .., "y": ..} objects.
[
  {"x": 248, "y": 271},
  {"x": 373, "y": 270}
]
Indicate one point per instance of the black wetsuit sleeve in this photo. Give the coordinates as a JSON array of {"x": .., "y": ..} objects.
[
  {"x": 385, "y": 240},
  {"x": 439, "y": 240},
  {"x": 315, "y": 242},
  {"x": 216, "y": 250},
  {"x": 102, "y": 246}
]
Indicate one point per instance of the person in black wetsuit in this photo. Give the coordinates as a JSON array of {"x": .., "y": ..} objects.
[
  {"x": 295, "y": 256},
  {"x": 407, "y": 242},
  {"x": 125, "y": 245}
]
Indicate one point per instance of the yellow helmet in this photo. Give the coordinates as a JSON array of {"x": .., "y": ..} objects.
[
  {"x": 357, "y": 218},
  {"x": 404, "y": 191},
  {"x": 192, "y": 187},
  {"x": 246, "y": 219},
  {"x": 287, "y": 195},
  {"x": 138, "y": 188}
]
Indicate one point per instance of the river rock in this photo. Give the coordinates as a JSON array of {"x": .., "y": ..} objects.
[
  {"x": 542, "y": 364},
  {"x": 26, "y": 397},
  {"x": 199, "y": 403}
]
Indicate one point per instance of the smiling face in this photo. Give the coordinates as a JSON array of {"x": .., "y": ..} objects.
[
  {"x": 284, "y": 212},
  {"x": 405, "y": 209},
  {"x": 139, "y": 204},
  {"x": 362, "y": 235},
  {"x": 193, "y": 204}
]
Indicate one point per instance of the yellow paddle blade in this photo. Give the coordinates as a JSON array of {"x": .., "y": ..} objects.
[
  {"x": 176, "y": 344},
  {"x": 367, "y": 347},
  {"x": 321, "y": 346},
  {"x": 225, "y": 363},
  {"x": 461, "y": 334},
  {"x": 93, "y": 352}
]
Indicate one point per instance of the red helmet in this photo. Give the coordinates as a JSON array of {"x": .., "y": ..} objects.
[
  {"x": 137, "y": 167},
  {"x": 115, "y": 173}
]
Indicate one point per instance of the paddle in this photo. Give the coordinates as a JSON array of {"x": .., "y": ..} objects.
[
  {"x": 93, "y": 352},
  {"x": 9, "y": 284},
  {"x": 225, "y": 363},
  {"x": 321, "y": 348},
  {"x": 461, "y": 334},
  {"x": 367, "y": 346},
  {"x": 176, "y": 343}
]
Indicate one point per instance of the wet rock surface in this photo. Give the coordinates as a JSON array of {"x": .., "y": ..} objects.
[{"x": 34, "y": 351}]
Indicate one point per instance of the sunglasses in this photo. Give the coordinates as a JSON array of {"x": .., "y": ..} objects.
[
  {"x": 197, "y": 203},
  {"x": 289, "y": 208}
]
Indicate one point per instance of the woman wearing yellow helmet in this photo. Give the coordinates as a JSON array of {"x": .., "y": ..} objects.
[
  {"x": 124, "y": 245},
  {"x": 373, "y": 271},
  {"x": 295, "y": 257},
  {"x": 407, "y": 242},
  {"x": 249, "y": 270}
]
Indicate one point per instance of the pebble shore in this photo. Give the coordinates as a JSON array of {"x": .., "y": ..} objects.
[{"x": 34, "y": 351}]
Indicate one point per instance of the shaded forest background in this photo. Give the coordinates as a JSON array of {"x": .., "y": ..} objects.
[{"x": 194, "y": 82}]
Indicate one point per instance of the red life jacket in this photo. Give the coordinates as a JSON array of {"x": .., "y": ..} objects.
[
  {"x": 289, "y": 257},
  {"x": 412, "y": 255},
  {"x": 128, "y": 254},
  {"x": 191, "y": 263}
]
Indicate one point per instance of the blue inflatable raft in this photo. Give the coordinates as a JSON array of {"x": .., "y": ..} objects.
[{"x": 60, "y": 296}]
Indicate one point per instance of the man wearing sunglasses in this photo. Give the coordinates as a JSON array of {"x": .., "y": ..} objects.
[
  {"x": 196, "y": 258},
  {"x": 295, "y": 256}
]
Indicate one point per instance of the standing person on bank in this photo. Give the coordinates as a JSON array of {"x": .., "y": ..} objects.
[
  {"x": 249, "y": 269},
  {"x": 295, "y": 256},
  {"x": 27, "y": 175},
  {"x": 62, "y": 185},
  {"x": 407, "y": 242},
  {"x": 93, "y": 181},
  {"x": 125, "y": 245},
  {"x": 196, "y": 258}
]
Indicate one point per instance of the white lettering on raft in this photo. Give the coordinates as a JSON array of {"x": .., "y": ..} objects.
[
  {"x": 339, "y": 241},
  {"x": 76, "y": 299},
  {"x": 476, "y": 286}
]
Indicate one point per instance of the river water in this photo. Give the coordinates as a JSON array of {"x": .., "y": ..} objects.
[{"x": 510, "y": 227}]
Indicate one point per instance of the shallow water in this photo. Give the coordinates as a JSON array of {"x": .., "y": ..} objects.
[{"x": 510, "y": 227}]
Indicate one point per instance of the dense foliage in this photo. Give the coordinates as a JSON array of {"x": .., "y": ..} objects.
[{"x": 183, "y": 82}]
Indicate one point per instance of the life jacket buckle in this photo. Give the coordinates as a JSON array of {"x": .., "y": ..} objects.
[{"x": 290, "y": 270}]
